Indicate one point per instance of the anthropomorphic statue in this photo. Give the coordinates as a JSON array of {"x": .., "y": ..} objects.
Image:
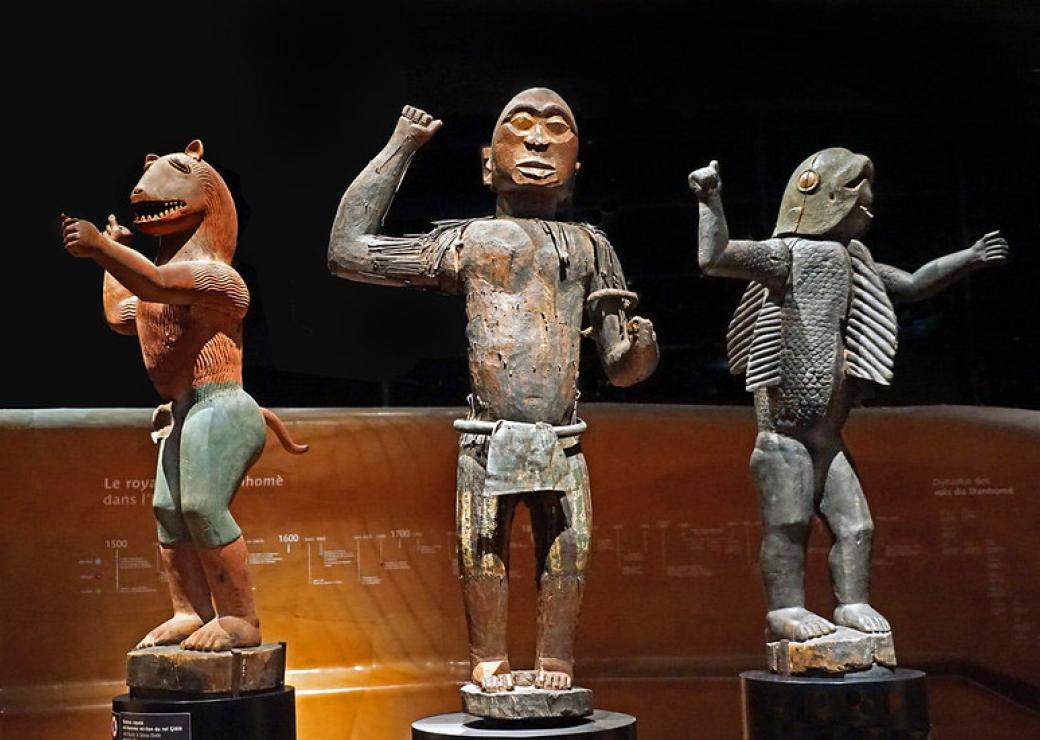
[
  {"x": 814, "y": 330},
  {"x": 528, "y": 280},
  {"x": 186, "y": 309}
]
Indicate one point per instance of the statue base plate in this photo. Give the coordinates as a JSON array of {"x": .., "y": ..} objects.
[
  {"x": 170, "y": 670},
  {"x": 600, "y": 725},
  {"x": 841, "y": 651},
  {"x": 880, "y": 702},
  {"x": 525, "y": 701},
  {"x": 264, "y": 715}
]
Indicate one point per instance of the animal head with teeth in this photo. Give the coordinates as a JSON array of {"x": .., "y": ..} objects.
[
  {"x": 180, "y": 192},
  {"x": 829, "y": 194},
  {"x": 534, "y": 146}
]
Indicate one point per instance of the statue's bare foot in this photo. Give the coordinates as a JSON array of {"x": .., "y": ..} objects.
[
  {"x": 493, "y": 676},
  {"x": 552, "y": 680},
  {"x": 223, "y": 633},
  {"x": 862, "y": 617},
  {"x": 172, "y": 631},
  {"x": 797, "y": 624}
]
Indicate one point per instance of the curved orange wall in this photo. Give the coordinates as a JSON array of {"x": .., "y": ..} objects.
[{"x": 354, "y": 558}]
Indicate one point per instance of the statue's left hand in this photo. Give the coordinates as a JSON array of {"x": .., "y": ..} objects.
[
  {"x": 992, "y": 249},
  {"x": 641, "y": 331},
  {"x": 82, "y": 239}
]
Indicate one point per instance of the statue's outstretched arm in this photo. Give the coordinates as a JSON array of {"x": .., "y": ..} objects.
[
  {"x": 190, "y": 282},
  {"x": 356, "y": 250},
  {"x": 627, "y": 346},
  {"x": 763, "y": 262},
  {"x": 991, "y": 250}
]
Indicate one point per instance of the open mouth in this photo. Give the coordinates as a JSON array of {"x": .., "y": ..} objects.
[
  {"x": 536, "y": 169},
  {"x": 155, "y": 210}
]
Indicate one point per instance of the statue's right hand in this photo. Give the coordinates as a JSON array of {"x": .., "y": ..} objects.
[
  {"x": 706, "y": 182},
  {"x": 82, "y": 239},
  {"x": 117, "y": 232},
  {"x": 416, "y": 126}
]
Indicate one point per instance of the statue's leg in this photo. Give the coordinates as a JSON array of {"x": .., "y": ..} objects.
[
  {"x": 189, "y": 592},
  {"x": 845, "y": 509},
  {"x": 782, "y": 469},
  {"x": 483, "y": 523},
  {"x": 223, "y": 435},
  {"x": 562, "y": 525}
]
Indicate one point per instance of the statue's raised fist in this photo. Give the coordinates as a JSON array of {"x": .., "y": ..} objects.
[
  {"x": 705, "y": 182},
  {"x": 416, "y": 125}
]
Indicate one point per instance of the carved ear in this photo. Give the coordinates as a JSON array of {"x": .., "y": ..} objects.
[
  {"x": 194, "y": 150},
  {"x": 148, "y": 159},
  {"x": 485, "y": 164}
]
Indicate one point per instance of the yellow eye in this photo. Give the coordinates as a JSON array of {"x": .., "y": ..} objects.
[
  {"x": 521, "y": 121},
  {"x": 557, "y": 126},
  {"x": 179, "y": 165}
]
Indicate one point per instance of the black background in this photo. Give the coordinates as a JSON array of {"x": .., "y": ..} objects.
[{"x": 292, "y": 99}]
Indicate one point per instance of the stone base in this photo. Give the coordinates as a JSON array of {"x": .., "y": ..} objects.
[
  {"x": 840, "y": 652},
  {"x": 525, "y": 701},
  {"x": 170, "y": 670},
  {"x": 600, "y": 725}
]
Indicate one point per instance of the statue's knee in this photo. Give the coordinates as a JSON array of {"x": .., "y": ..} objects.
[
  {"x": 785, "y": 530},
  {"x": 210, "y": 524},
  {"x": 858, "y": 533}
]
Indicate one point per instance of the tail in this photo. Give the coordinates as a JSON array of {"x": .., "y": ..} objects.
[{"x": 282, "y": 433}]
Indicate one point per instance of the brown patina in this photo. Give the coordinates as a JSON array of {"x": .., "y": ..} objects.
[{"x": 528, "y": 281}]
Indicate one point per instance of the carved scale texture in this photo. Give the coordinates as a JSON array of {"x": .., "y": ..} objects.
[
  {"x": 871, "y": 330},
  {"x": 813, "y": 310}
]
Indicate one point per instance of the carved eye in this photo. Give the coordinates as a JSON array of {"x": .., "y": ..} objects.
[
  {"x": 521, "y": 121},
  {"x": 808, "y": 181},
  {"x": 557, "y": 126},
  {"x": 179, "y": 165}
]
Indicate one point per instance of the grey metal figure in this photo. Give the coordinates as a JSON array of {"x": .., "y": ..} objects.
[{"x": 815, "y": 329}]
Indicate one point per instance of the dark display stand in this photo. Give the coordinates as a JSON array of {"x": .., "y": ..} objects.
[
  {"x": 262, "y": 715},
  {"x": 879, "y": 704},
  {"x": 600, "y": 726}
]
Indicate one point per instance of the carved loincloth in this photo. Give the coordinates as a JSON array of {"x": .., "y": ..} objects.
[{"x": 524, "y": 457}]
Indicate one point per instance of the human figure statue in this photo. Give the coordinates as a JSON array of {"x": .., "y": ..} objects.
[
  {"x": 814, "y": 330},
  {"x": 186, "y": 309},
  {"x": 528, "y": 279}
]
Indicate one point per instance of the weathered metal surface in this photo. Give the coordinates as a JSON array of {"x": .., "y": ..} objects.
[
  {"x": 529, "y": 281},
  {"x": 814, "y": 330}
]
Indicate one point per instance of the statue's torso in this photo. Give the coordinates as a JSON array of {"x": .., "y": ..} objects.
[
  {"x": 188, "y": 346},
  {"x": 524, "y": 312},
  {"x": 812, "y": 395}
]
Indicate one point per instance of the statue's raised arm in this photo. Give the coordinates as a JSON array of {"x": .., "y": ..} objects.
[
  {"x": 765, "y": 262},
  {"x": 357, "y": 251}
]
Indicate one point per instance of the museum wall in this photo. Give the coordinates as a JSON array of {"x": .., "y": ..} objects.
[{"x": 353, "y": 560}]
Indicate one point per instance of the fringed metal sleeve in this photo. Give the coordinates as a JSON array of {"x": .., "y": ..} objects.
[{"x": 403, "y": 258}]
